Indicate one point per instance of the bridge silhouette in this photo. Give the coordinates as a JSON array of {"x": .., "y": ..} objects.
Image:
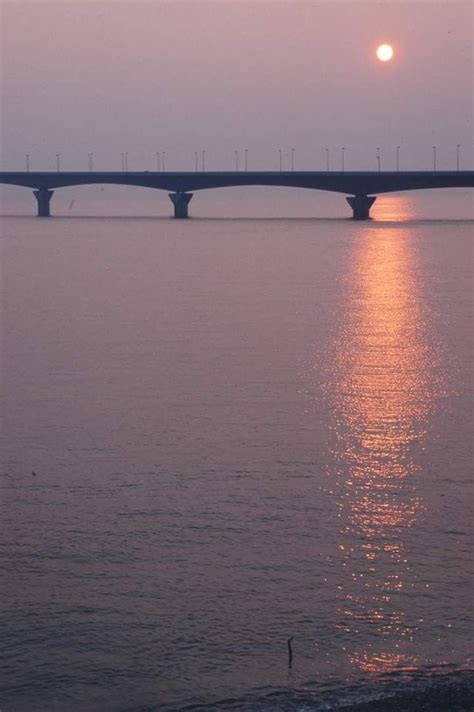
[{"x": 362, "y": 186}]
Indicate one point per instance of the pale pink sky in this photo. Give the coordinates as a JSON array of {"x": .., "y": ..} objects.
[{"x": 186, "y": 75}]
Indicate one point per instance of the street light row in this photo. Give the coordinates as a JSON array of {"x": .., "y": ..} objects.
[
  {"x": 200, "y": 160},
  {"x": 90, "y": 158}
]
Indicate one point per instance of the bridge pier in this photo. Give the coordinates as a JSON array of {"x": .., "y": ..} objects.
[
  {"x": 361, "y": 205},
  {"x": 180, "y": 202},
  {"x": 43, "y": 196}
]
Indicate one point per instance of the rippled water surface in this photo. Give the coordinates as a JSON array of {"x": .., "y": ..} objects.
[{"x": 221, "y": 433}]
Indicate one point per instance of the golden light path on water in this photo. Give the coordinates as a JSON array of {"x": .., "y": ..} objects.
[{"x": 382, "y": 386}]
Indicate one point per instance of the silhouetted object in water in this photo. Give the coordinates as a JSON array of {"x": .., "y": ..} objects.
[
  {"x": 33, "y": 473},
  {"x": 290, "y": 652}
]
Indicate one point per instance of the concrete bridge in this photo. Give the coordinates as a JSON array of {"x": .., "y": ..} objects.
[{"x": 362, "y": 186}]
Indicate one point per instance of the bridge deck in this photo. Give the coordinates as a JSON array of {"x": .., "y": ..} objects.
[{"x": 349, "y": 182}]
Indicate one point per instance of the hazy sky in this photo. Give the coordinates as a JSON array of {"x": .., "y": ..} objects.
[{"x": 186, "y": 75}]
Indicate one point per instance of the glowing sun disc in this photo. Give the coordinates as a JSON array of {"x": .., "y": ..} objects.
[{"x": 385, "y": 52}]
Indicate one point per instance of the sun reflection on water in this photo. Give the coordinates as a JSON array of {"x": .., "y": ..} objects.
[
  {"x": 389, "y": 207},
  {"x": 382, "y": 386}
]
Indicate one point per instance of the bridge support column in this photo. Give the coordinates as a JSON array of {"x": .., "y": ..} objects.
[
  {"x": 43, "y": 196},
  {"x": 180, "y": 202},
  {"x": 361, "y": 205}
]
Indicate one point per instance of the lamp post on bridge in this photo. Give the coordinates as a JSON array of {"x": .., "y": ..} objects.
[
  {"x": 343, "y": 150},
  {"x": 378, "y": 159},
  {"x": 157, "y": 161},
  {"x": 196, "y": 161},
  {"x": 57, "y": 161},
  {"x": 293, "y": 159},
  {"x": 245, "y": 159},
  {"x": 163, "y": 161},
  {"x": 327, "y": 159},
  {"x": 27, "y": 162},
  {"x": 434, "y": 159},
  {"x": 281, "y": 160},
  {"x": 398, "y": 158},
  {"x": 236, "y": 161},
  {"x": 203, "y": 157},
  {"x": 90, "y": 157},
  {"x": 457, "y": 156}
]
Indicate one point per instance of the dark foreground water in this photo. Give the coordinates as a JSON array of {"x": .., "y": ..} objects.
[{"x": 218, "y": 434}]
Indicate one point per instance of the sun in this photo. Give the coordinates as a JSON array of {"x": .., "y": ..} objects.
[{"x": 385, "y": 52}]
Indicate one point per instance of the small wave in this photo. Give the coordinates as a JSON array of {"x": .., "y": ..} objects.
[{"x": 422, "y": 692}]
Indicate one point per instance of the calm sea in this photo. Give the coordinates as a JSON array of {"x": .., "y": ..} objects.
[{"x": 225, "y": 432}]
